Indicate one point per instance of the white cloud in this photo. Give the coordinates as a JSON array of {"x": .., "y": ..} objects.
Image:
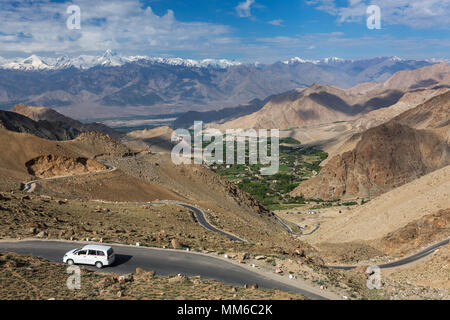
[
  {"x": 413, "y": 13},
  {"x": 243, "y": 9},
  {"x": 40, "y": 26},
  {"x": 277, "y": 22}
]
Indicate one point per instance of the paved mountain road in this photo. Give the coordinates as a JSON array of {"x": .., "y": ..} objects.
[
  {"x": 167, "y": 262},
  {"x": 419, "y": 255},
  {"x": 171, "y": 262}
]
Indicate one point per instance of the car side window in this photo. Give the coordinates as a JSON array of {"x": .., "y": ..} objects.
[
  {"x": 100, "y": 253},
  {"x": 81, "y": 253},
  {"x": 92, "y": 252}
]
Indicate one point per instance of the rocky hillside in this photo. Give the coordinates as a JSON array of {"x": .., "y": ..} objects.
[
  {"x": 50, "y": 115},
  {"x": 320, "y": 104},
  {"x": 50, "y": 166},
  {"x": 389, "y": 212},
  {"x": 433, "y": 114},
  {"x": 388, "y": 155},
  {"x": 314, "y": 105},
  {"x": 157, "y": 139},
  {"x": 219, "y": 116},
  {"x": 95, "y": 144},
  {"x": 42, "y": 128}
]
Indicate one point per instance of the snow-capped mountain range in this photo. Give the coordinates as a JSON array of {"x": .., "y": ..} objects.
[
  {"x": 109, "y": 59},
  {"x": 336, "y": 60},
  {"x": 112, "y": 59},
  {"x": 331, "y": 60},
  {"x": 91, "y": 86}
]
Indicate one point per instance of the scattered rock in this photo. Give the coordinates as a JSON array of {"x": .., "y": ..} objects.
[
  {"x": 42, "y": 234},
  {"x": 242, "y": 256},
  {"x": 176, "y": 244},
  {"x": 260, "y": 257},
  {"x": 126, "y": 278},
  {"x": 300, "y": 252},
  {"x": 178, "y": 279},
  {"x": 278, "y": 271},
  {"x": 140, "y": 271}
]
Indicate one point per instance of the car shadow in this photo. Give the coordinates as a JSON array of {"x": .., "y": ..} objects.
[{"x": 121, "y": 259}]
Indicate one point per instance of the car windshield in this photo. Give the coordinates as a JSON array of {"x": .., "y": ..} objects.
[{"x": 110, "y": 252}]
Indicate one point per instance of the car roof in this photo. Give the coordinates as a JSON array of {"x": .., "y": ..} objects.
[{"x": 96, "y": 247}]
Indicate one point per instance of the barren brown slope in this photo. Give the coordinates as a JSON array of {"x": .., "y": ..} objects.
[
  {"x": 337, "y": 138},
  {"x": 25, "y": 157},
  {"x": 157, "y": 139},
  {"x": 141, "y": 178},
  {"x": 389, "y": 212},
  {"x": 324, "y": 104},
  {"x": 387, "y": 156},
  {"x": 19, "y": 148},
  {"x": 225, "y": 205},
  {"x": 97, "y": 145},
  {"x": 434, "y": 76},
  {"x": 48, "y": 114},
  {"x": 52, "y": 166},
  {"x": 314, "y": 105},
  {"x": 45, "y": 129},
  {"x": 433, "y": 114}
]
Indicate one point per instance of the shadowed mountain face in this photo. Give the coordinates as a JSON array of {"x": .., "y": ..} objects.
[
  {"x": 314, "y": 105},
  {"x": 151, "y": 88},
  {"x": 338, "y": 104},
  {"x": 407, "y": 147},
  {"x": 187, "y": 119},
  {"x": 50, "y": 115},
  {"x": 324, "y": 104},
  {"x": 44, "y": 129}
]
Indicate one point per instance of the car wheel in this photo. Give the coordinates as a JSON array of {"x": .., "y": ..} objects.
[
  {"x": 70, "y": 262},
  {"x": 99, "y": 265}
]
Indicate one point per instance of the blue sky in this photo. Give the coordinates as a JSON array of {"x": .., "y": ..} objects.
[{"x": 244, "y": 30}]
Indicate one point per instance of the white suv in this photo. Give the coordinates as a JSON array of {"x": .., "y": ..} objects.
[{"x": 98, "y": 256}]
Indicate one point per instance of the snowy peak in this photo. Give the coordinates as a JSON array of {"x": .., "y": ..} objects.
[
  {"x": 108, "y": 59},
  {"x": 111, "y": 59},
  {"x": 334, "y": 60},
  {"x": 222, "y": 63},
  {"x": 299, "y": 60},
  {"x": 331, "y": 60},
  {"x": 33, "y": 62}
]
